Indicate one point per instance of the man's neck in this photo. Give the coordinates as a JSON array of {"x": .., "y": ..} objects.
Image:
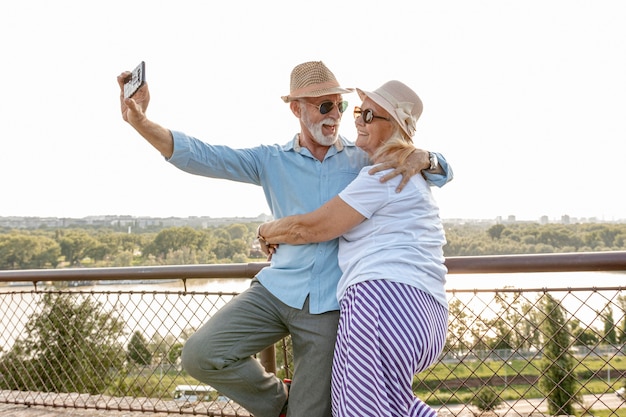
[{"x": 318, "y": 151}]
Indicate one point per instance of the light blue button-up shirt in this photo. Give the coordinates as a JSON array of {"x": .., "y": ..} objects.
[{"x": 294, "y": 182}]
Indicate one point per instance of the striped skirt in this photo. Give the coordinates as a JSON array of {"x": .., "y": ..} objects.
[{"x": 387, "y": 333}]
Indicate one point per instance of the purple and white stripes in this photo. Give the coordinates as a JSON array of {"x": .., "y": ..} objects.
[{"x": 387, "y": 333}]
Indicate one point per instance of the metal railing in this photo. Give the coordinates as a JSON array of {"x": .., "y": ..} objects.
[{"x": 110, "y": 338}]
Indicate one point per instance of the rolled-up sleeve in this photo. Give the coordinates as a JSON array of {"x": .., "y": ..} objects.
[{"x": 440, "y": 180}]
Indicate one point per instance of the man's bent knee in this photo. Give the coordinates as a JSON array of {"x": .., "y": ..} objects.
[{"x": 195, "y": 358}]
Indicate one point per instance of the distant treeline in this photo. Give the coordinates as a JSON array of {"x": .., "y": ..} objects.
[
  {"x": 108, "y": 246},
  {"x": 527, "y": 238}
]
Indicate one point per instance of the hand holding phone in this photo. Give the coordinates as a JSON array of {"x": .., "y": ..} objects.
[{"x": 135, "y": 80}]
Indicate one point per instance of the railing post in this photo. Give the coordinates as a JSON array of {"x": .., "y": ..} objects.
[{"x": 268, "y": 359}]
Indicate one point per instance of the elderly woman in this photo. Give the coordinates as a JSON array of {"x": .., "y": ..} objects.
[{"x": 394, "y": 311}]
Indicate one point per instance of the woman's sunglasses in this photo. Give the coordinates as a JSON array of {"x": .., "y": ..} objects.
[
  {"x": 327, "y": 106},
  {"x": 368, "y": 115}
]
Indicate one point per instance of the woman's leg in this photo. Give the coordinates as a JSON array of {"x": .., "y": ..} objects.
[{"x": 387, "y": 333}]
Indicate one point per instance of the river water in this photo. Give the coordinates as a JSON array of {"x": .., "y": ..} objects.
[{"x": 536, "y": 280}]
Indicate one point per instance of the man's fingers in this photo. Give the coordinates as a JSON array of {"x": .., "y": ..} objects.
[
  {"x": 390, "y": 175},
  {"x": 403, "y": 182},
  {"x": 121, "y": 79},
  {"x": 380, "y": 167}
]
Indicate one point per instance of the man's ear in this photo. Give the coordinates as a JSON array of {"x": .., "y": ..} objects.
[{"x": 295, "y": 108}]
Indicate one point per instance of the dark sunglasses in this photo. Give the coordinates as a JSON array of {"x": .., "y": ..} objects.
[
  {"x": 327, "y": 106},
  {"x": 368, "y": 115}
]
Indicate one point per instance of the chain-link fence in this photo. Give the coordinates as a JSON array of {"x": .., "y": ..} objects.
[
  {"x": 105, "y": 349},
  {"x": 519, "y": 352},
  {"x": 515, "y": 351}
]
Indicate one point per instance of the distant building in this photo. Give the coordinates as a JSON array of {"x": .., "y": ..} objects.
[{"x": 124, "y": 221}]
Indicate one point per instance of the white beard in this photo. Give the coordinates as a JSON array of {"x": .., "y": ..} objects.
[{"x": 316, "y": 129}]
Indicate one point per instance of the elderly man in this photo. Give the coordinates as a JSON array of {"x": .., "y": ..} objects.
[{"x": 295, "y": 295}]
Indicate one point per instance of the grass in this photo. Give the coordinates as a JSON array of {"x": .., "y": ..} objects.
[
  {"x": 162, "y": 385},
  {"x": 487, "y": 369},
  {"x": 481, "y": 373}
]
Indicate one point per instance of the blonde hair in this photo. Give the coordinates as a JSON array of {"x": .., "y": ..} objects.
[{"x": 399, "y": 146}]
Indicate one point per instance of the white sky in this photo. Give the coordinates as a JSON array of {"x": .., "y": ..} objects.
[{"x": 526, "y": 99}]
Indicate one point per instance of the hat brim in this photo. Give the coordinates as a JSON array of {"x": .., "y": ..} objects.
[
  {"x": 382, "y": 102},
  {"x": 318, "y": 93},
  {"x": 386, "y": 105}
]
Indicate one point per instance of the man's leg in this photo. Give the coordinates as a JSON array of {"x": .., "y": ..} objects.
[
  {"x": 313, "y": 338},
  {"x": 220, "y": 352}
]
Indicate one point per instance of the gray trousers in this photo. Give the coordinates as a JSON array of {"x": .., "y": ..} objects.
[{"x": 221, "y": 352}]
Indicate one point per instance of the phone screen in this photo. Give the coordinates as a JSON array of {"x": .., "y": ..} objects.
[{"x": 135, "y": 80}]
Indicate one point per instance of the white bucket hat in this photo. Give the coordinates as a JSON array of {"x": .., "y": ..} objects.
[
  {"x": 402, "y": 103},
  {"x": 313, "y": 79}
]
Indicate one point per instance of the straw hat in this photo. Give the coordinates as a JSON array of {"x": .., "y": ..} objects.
[
  {"x": 313, "y": 79},
  {"x": 402, "y": 103}
]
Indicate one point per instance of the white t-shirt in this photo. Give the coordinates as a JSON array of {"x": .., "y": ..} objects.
[{"x": 401, "y": 239}]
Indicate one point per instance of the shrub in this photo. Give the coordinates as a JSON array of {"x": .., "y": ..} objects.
[{"x": 486, "y": 399}]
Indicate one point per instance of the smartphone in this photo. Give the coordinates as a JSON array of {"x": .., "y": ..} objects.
[{"x": 135, "y": 80}]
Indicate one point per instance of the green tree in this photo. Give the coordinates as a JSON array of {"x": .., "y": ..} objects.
[
  {"x": 527, "y": 326},
  {"x": 558, "y": 379},
  {"x": 239, "y": 258},
  {"x": 162, "y": 345},
  {"x": 138, "y": 349},
  {"x": 184, "y": 256},
  {"x": 516, "y": 321},
  {"x": 227, "y": 248},
  {"x": 174, "y": 239},
  {"x": 122, "y": 259},
  {"x": 69, "y": 345},
  {"x": 23, "y": 251},
  {"x": 515, "y": 325},
  {"x": 119, "y": 242},
  {"x": 583, "y": 336},
  {"x": 174, "y": 352},
  {"x": 155, "y": 245},
  {"x": 609, "y": 336},
  {"x": 237, "y": 231},
  {"x": 621, "y": 300},
  {"x": 76, "y": 245},
  {"x": 495, "y": 231},
  {"x": 461, "y": 319}
]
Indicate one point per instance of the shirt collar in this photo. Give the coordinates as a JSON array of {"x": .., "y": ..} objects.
[{"x": 295, "y": 144}]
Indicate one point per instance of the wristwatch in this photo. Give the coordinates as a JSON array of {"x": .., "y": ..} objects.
[
  {"x": 434, "y": 162},
  {"x": 260, "y": 238}
]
